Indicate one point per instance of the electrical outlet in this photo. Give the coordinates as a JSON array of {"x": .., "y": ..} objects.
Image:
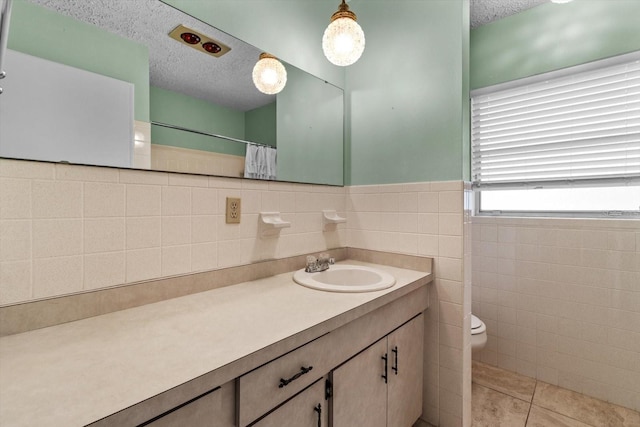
[{"x": 233, "y": 210}]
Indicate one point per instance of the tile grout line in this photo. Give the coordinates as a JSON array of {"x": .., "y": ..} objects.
[
  {"x": 501, "y": 392},
  {"x": 554, "y": 411},
  {"x": 557, "y": 411},
  {"x": 531, "y": 404},
  {"x": 509, "y": 396},
  {"x": 491, "y": 387}
]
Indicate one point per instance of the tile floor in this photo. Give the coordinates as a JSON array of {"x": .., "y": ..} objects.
[{"x": 503, "y": 398}]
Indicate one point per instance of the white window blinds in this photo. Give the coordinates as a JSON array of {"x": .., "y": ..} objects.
[{"x": 584, "y": 126}]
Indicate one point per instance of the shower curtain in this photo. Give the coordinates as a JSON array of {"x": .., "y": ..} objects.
[{"x": 260, "y": 162}]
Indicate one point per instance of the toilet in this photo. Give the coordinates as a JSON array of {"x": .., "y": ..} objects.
[{"x": 478, "y": 334}]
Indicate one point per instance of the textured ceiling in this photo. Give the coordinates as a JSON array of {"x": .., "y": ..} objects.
[
  {"x": 226, "y": 80},
  {"x": 486, "y": 11}
]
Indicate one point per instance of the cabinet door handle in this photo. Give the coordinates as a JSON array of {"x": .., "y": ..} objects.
[
  {"x": 395, "y": 360},
  {"x": 318, "y": 409},
  {"x": 384, "y": 375},
  {"x": 303, "y": 371}
]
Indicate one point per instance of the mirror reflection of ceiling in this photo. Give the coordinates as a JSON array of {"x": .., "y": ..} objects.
[
  {"x": 225, "y": 81},
  {"x": 487, "y": 11}
]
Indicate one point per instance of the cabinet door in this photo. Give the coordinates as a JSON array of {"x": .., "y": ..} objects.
[
  {"x": 406, "y": 346},
  {"x": 360, "y": 391},
  {"x": 306, "y": 409}
]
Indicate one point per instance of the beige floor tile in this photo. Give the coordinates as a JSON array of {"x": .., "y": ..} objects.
[
  {"x": 540, "y": 417},
  {"x": 494, "y": 409},
  {"x": 584, "y": 408},
  {"x": 510, "y": 383}
]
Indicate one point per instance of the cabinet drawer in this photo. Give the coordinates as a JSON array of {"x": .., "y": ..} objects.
[
  {"x": 269, "y": 385},
  {"x": 307, "y": 409},
  {"x": 211, "y": 409}
]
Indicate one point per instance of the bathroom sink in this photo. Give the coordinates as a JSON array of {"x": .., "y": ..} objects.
[{"x": 346, "y": 278}]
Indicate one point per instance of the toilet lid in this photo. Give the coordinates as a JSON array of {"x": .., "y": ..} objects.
[{"x": 475, "y": 322}]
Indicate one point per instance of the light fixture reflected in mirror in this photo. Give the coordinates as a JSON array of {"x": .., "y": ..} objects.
[
  {"x": 343, "y": 40},
  {"x": 269, "y": 75}
]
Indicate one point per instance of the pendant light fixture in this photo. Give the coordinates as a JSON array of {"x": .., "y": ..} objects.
[
  {"x": 343, "y": 40},
  {"x": 269, "y": 75}
]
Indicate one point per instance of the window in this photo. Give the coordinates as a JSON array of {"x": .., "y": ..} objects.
[{"x": 567, "y": 141}]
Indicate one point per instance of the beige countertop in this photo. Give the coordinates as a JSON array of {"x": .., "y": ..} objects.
[{"x": 80, "y": 372}]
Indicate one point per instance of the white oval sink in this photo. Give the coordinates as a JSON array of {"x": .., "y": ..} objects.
[{"x": 346, "y": 278}]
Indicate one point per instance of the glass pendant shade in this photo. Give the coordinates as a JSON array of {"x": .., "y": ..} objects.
[
  {"x": 343, "y": 40},
  {"x": 269, "y": 75}
]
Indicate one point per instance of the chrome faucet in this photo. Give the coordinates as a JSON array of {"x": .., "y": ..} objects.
[{"x": 315, "y": 265}]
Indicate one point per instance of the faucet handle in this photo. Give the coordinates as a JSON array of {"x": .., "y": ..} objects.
[{"x": 311, "y": 260}]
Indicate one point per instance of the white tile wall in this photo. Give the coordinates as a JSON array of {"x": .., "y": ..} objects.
[
  {"x": 467, "y": 250},
  {"x": 561, "y": 300},
  {"x": 67, "y": 229},
  {"x": 427, "y": 219}
]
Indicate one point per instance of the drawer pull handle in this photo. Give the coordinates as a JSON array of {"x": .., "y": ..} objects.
[
  {"x": 318, "y": 409},
  {"x": 303, "y": 371},
  {"x": 395, "y": 360}
]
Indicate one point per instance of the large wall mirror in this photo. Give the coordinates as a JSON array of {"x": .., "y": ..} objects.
[{"x": 72, "y": 63}]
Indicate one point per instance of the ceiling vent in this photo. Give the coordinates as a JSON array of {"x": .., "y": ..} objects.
[{"x": 199, "y": 41}]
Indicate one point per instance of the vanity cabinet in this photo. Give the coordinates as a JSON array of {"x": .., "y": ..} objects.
[
  {"x": 308, "y": 408},
  {"x": 266, "y": 387},
  {"x": 291, "y": 389},
  {"x": 404, "y": 385},
  {"x": 359, "y": 392},
  {"x": 269, "y": 371},
  {"x": 352, "y": 356},
  {"x": 382, "y": 385}
]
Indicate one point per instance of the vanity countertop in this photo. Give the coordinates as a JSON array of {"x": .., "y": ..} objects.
[{"x": 80, "y": 372}]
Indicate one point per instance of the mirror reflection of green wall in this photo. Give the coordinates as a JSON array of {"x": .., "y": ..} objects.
[
  {"x": 40, "y": 32},
  {"x": 305, "y": 123},
  {"x": 180, "y": 110},
  {"x": 310, "y": 130},
  {"x": 260, "y": 125}
]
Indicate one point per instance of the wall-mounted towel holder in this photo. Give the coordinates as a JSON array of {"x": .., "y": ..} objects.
[
  {"x": 330, "y": 219},
  {"x": 271, "y": 223}
]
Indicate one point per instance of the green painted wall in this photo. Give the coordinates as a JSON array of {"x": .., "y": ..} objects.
[
  {"x": 407, "y": 93},
  {"x": 260, "y": 124},
  {"x": 406, "y": 112},
  {"x": 553, "y": 36},
  {"x": 290, "y": 29},
  {"x": 466, "y": 87},
  {"x": 39, "y": 32},
  {"x": 181, "y": 110},
  {"x": 310, "y": 132}
]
